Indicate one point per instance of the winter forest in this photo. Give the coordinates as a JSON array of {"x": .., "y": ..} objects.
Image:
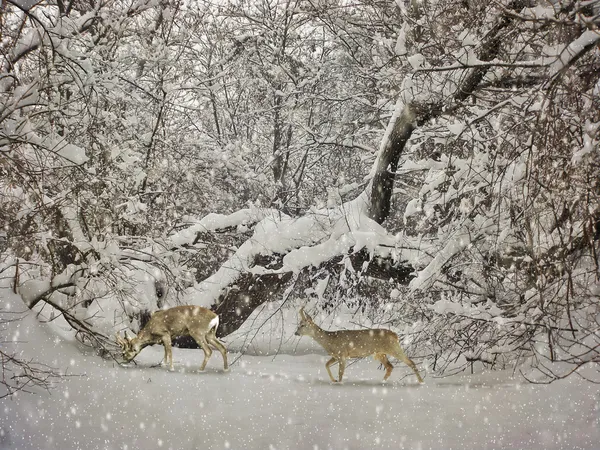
[{"x": 428, "y": 167}]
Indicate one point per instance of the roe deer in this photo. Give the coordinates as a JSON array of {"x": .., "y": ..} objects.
[
  {"x": 345, "y": 344},
  {"x": 199, "y": 323}
]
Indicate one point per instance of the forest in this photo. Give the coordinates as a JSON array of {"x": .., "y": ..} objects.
[{"x": 429, "y": 167}]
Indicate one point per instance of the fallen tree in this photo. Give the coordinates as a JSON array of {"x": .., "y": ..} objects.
[{"x": 350, "y": 232}]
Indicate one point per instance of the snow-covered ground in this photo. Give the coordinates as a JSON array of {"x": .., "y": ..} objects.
[{"x": 281, "y": 402}]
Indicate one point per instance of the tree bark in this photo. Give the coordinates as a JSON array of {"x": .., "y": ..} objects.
[{"x": 383, "y": 182}]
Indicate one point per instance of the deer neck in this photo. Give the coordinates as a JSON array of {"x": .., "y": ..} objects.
[
  {"x": 320, "y": 335},
  {"x": 144, "y": 339}
]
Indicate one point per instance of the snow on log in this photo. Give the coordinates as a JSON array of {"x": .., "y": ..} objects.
[
  {"x": 575, "y": 50},
  {"x": 282, "y": 246}
]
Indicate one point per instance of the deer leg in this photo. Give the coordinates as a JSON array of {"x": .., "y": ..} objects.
[
  {"x": 165, "y": 361},
  {"x": 382, "y": 358},
  {"x": 207, "y": 354},
  {"x": 212, "y": 340},
  {"x": 342, "y": 368},
  {"x": 166, "y": 340},
  {"x": 406, "y": 360},
  {"x": 327, "y": 366},
  {"x": 412, "y": 365},
  {"x": 207, "y": 351}
]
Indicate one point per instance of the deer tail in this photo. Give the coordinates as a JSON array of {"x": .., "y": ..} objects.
[{"x": 213, "y": 324}]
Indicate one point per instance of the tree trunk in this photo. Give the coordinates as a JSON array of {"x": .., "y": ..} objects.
[{"x": 383, "y": 182}]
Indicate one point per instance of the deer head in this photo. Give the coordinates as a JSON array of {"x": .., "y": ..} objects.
[
  {"x": 129, "y": 346},
  {"x": 306, "y": 325}
]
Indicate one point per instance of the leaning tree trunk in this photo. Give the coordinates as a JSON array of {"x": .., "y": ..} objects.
[{"x": 387, "y": 164}]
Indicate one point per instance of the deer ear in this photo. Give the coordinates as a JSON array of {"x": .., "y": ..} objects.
[
  {"x": 305, "y": 316},
  {"x": 124, "y": 343}
]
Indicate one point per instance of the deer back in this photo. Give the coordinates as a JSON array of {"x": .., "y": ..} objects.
[
  {"x": 180, "y": 320},
  {"x": 357, "y": 343}
]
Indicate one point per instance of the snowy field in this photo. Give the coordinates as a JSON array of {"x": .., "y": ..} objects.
[{"x": 282, "y": 402}]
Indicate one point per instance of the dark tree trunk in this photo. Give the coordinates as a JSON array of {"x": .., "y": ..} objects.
[
  {"x": 249, "y": 292},
  {"x": 383, "y": 182}
]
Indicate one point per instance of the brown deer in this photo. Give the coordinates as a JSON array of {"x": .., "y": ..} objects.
[
  {"x": 195, "y": 321},
  {"x": 345, "y": 344}
]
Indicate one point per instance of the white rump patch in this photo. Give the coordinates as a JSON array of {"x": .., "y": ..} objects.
[
  {"x": 213, "y": 323},
  {"x": 196, "y": 310}
]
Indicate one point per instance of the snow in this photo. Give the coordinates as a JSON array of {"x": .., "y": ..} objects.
[
  {"x": 73, "y": 154},
  {"x": 456, "y": 128},
  {"x": 214, "y": 222},
  {"x": 26, "y": 95},
  {"x": 70, "y": 214},
  {"x": 278, "y": 395},
  {"x": 400, "y": 48},
  {"x": 32, "y": 289},
  {"x": 539, "y": 12},
  {"x": 413, "y": 207},
  {"x": 426, "y": 277},
  {"x": 281, "y": 402},
  {"x": 416, "y": 61},
  {"x": 573, "y": 49},
  {"x": 589, "y": 143},
  {"x": 488, "y": 311}
]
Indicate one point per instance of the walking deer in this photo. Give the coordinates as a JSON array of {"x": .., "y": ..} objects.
[
  {"x": 199, "y": 323},
  {"x": 345, "y": 344}
]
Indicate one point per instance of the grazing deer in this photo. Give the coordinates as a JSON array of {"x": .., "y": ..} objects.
[
  {"x": 345, "y": 344},
  {"x": 199, "y": 323}
]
